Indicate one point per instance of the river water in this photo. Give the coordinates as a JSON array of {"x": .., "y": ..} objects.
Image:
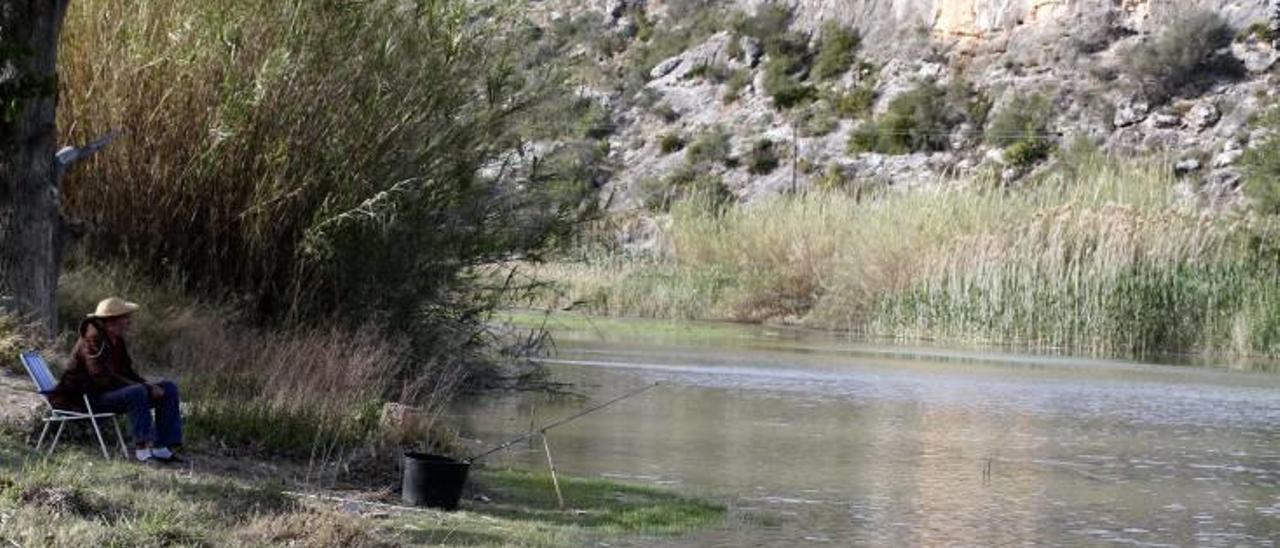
[{"x": 812, "y": 440}]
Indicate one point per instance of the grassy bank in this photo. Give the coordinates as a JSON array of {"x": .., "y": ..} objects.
[
  {"x": 1098, "y": 256},
  {"x": 76, "y": 499}
]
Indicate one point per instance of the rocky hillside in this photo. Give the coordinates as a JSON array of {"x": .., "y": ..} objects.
[{"x": 751, "y": 98}]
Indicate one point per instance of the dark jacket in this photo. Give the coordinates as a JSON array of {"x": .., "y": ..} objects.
[{"x": 98, "y": 364}]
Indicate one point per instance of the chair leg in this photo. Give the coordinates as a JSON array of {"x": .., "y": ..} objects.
[
  {"x": 43, "y": 431},
  {"x": 124, "y": 449},
  {"x": 98, "y": 432},
  {"x": 56, "y": 435}
]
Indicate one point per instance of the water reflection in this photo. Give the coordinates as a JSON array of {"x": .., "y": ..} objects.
[{"x": 814, "y": 447}]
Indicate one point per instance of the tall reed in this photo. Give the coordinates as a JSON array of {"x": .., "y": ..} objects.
[
  {"x": 1100, "y": 255},
  {"x": 311, "y": 159}
]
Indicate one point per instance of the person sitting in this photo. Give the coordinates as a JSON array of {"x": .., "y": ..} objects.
[{"x": 102, "y": 369}]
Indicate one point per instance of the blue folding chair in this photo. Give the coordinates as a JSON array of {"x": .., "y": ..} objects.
[{"x": 39, "y": 371}]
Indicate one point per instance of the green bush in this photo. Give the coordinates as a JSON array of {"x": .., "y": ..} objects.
[
  {"x": 837, "y": 47},
  {"x": 317, "y": 156},
  {"x": 762, "y": 159},
  {"x": 686, "y": 182},
  {"x": 733, "y": 86},
  {"x": 815, "y": 120},
  {"x": 671, "y": 142},
  {"x": 716, "y": 72},
  {"x": 656, "y": 43},
  {"x": 968, "y": 101},
  {"x": 864, "y": 138},
  {"x": 1182, "y": 52},
  {"x": 854, "y": 103},
  {"x": 1260, "y": 30},
  {"x": 787, "y": 66},
  {"x": 783, "y": 81},
  {"x": 1027, "y": 152},
  {"x": 1023, "y": 117},
  {"x": 1262, "y": 165},
  {"x": 918, "y": 120},
  {"x": 591, "y": 119},
  {"x": 711, "y": 147},
  {"x": 666, "y": 112},
  {"x": 769, "y": 25}
]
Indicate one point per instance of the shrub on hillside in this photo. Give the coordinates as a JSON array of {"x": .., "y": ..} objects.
[
  {"x": 784, "y": 80},
  {"x": 853, "y": 103},
  {"x": 1021, "y": 127},
  {"x": 1027, "y": 152},
  {"x": 670, "y": 142},
  {"x": 1260, "y": 30},
  {"x": 786, "y": 67},
  {"x": 1262, "y": 165},
  {"x": 709, "y": 148},
  {"x": 715, "y": 72},
  {"x": 837, "y": 47},
  {"x": 687, "y": 182},
  {"x": 1182, "y": 52},
  {"x": 656, "y": 43},
  {"x": 733, "y": 86},
  {"x": 769, "y": 25},
  {"x": 918, "y": 120},
  {"x": 762, "y": 159},
  {"x": 1022, "y": 117},
  {"x": 815, "y": 120}
]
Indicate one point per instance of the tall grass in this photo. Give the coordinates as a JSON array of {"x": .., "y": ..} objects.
[
  {"x": 1099, "y": 255},
  {"x": 318, "y": 390},
  {"x": 315, "y": 160}
]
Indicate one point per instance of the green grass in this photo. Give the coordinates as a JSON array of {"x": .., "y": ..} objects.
[
  {"x": 77, "y": 499},
  {"x": 1098, "y": 256},
  {"x": 598, "y": 506}
]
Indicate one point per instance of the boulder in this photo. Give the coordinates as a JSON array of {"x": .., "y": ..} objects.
[
  {"x": 1258, "y": 57},
  {"x": 752, "y": 49},
  {"x": 1186, "y": 166},
  {"x": 666, "y": 67},
  {"x": 1227, "y": 158},
  {"x": 1166, "y": 120},
  {"x": 1202, "y": 116},
  {"x": 1130, "y": 112}
]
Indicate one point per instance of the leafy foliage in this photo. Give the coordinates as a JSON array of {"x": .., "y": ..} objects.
[
  {"x": 1183, "y": 52},
  {"x": 837, "y": 48},
  {"x": 762, "y": 159},
  {"x": 711, "y": 147},
  {"x": 1262, "y": 165},
  {"x": 268, "y": 162},
  {"x": 918, "y": 120},
  {"x": 1021, "y": 127},
  {"x": 671, "y": 142}
]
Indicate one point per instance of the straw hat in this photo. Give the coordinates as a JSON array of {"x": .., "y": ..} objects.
[{"x": 113, "y": 306}]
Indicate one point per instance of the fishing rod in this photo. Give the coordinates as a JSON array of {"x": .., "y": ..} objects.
[{"x": 559, "y": 422}]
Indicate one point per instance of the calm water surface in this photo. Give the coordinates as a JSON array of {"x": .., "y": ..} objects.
[{"x": 814, "y": 441}]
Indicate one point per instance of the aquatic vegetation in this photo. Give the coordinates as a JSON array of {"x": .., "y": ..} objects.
[{"x": 1098, "y": 255}]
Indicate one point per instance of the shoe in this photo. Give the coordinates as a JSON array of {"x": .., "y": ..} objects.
[
  {"x": 171, "y": 459},
  {"x": 167, "y": 456}
]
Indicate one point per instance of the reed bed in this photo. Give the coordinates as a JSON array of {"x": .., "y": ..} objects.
[
  {"x": 311, "y": 159},
  {"x": 1097, "y": 256}
]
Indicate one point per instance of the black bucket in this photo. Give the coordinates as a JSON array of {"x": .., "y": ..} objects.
[{"x": 433, "y": 480}]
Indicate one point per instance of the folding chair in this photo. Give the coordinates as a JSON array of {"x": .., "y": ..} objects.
[{"x": 39, "y": 371}]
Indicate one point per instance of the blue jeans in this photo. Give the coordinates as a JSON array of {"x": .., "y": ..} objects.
[{"x": 135, "y": 400}]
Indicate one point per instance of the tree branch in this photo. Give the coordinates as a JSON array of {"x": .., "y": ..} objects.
[{"x": 69, "y": 155}]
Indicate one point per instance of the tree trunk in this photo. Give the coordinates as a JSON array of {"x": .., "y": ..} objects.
[{"x": 30, "y": 224}]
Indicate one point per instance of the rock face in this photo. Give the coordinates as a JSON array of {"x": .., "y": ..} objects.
[{"x": 1071, "y": 51}]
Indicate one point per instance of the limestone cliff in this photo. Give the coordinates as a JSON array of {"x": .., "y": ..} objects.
[{"x": 1074, "y": 52}]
